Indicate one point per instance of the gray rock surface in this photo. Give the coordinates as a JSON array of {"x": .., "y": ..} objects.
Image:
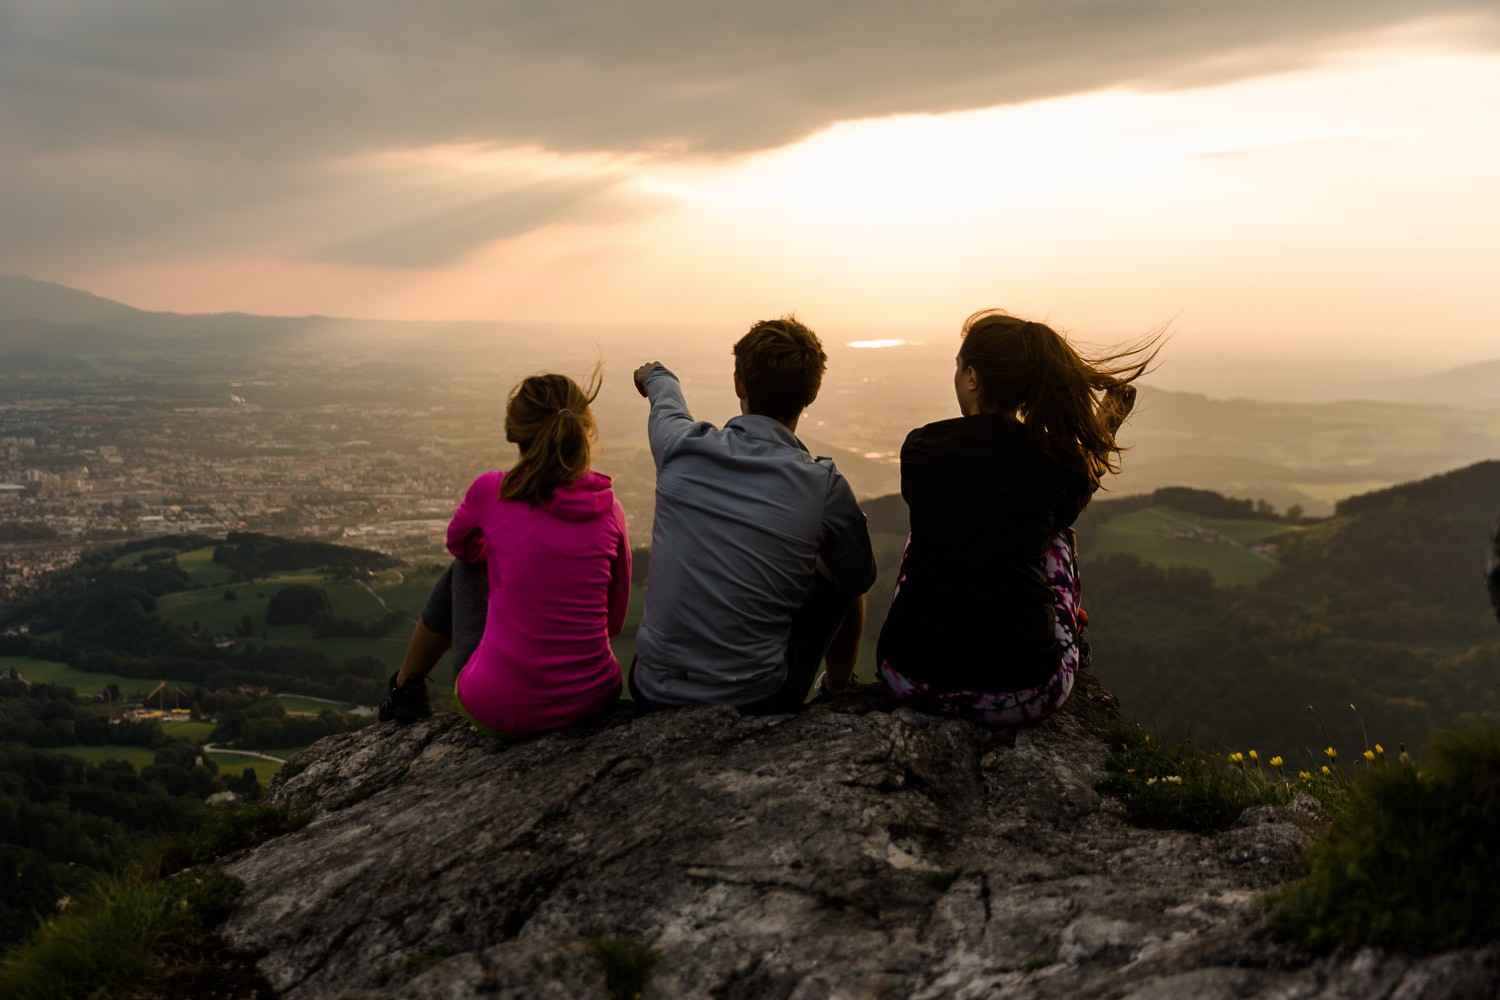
[{"x": 856, "y": 850}]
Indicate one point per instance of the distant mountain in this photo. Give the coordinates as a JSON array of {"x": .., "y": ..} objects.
[
  {"x": 24, "y": 298},
  {"x": 1468, "y": 385},
  {"x": 54, "y": 320},
  {"x": 42, "y": 320}
]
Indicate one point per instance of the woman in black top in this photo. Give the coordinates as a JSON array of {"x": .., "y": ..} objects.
[{"x": 985, "y": 619}]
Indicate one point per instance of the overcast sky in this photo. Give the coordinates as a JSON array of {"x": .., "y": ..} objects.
[{"x": 1277, "y": 170}]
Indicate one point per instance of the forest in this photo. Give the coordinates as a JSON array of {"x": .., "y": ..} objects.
[{"x": 1382, "y": 607}]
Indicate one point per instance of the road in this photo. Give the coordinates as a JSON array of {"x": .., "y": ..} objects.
[{"x": 212, "y": 748}]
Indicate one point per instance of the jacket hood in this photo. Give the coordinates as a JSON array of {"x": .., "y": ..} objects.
[{"x": 585, "y": 500}]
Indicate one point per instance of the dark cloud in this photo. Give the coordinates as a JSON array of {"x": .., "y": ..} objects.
[
  {"x": 250, "y": 93},
  {"x": 285, "y": 74},
  {"x": 440, "y": 234}
]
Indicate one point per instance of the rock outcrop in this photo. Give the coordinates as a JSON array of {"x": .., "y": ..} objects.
[{"x": 855, "y": 850}]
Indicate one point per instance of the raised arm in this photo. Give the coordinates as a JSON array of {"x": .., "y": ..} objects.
[{"x": 670, "y": 421}]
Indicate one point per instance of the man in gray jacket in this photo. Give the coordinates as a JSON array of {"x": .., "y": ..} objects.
[{"x": 760, "y": 556}]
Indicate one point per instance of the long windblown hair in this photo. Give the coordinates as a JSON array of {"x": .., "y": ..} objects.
[
  {"x": 548, "y": 417},
  {"x": 1028, "y": 370}
]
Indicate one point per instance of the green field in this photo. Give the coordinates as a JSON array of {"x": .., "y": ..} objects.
[
  {"x": 137, "y": 757},
  {"x": 213, "y": 614},
  {"x": 387, "y": 650},
  {"x": 406, "y": 589},
  {"x": 311, "y": 706},
  {"x": 208, "y": 611},
  {"x": 135, "y": 557},
  {"x": 198, "y": 732},
  {"x": 199, "y": 564},
  {"x": 233, "y": 763},
  {"x": 1147, "y": 534},
  {"x": 47, "y": 672},
  {"x": 141, "y": 757}
]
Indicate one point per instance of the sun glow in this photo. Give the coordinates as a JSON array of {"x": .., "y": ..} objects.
[{"x": 1350, "y": 202}]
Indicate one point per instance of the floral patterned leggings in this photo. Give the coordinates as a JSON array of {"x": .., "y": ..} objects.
[{"x": 1005, "y": 709}]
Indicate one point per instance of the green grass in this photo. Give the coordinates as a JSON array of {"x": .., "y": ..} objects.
[
  {"x": 198, "y": 732},
  {"x": 200, "y": 566},
  {"x": 1175, "y": 785},
  {"x": 214, "y": 614},
  {"x": 48, "y": 672},
  {"x": 236, "y": 765},
  {"x": 1144, "y": 533},
  {"x": 130, "y": 936},
  {"x": 148, "y": 932},
  {"x": 410, "y": 595},
  {"x": 1413, "y": 858},
  {"x": 138, "y": 757},
  {"x": 387, "y": 650},
  {"x": 350, "y": 600},
  {"x": 311, "y": 706},
  {"x": 228, "y": 829},
  {"x": 133, "y": 558},
  {"x": 208, "y": 608}
]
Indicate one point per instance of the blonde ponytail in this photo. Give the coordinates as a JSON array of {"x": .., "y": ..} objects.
[{"x": 548, "y": 416}]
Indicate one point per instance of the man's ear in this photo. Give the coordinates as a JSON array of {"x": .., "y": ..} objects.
[{"x": 739, "y": 388}]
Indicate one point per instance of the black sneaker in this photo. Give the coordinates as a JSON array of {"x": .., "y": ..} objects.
[{"x": 406, "y": 703}]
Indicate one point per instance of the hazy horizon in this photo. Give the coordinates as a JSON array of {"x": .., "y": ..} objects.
[{"x": 1189, "y": 362}]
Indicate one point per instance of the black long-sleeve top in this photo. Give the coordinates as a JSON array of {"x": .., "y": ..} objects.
[{"x": 973, "y": 611}]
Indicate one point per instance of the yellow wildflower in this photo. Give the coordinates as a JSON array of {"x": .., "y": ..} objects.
[
  {"x": 1276, "y": 761},
  {"x": 1379, "y": 750},
  {"x": 1304, "y": 775},
  {"x": 1325, "y": 769},
  {"x": 1254, "y": 755},
  {"x": 1370, "y": 756},
  {"x": 1236, "y": 758},
  {"x": 1331, "y": 752}
]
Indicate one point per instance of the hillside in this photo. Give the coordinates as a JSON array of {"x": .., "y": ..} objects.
[{"x": 1382, "y": 607}]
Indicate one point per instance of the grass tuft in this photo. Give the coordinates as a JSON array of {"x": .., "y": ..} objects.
[
  {"x": 129, "y": 936},
  {"x": 1177, "y": 786},
  {"x": 229, "y": 829},
  {"x": 1412, "y": 858},
  {"x": 626, "y": 963}
]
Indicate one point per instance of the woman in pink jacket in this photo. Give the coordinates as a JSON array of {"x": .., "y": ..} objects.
[{"x": 541, "y": 582}]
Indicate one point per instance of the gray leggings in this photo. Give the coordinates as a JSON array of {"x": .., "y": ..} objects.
[{"x": 457, "y": 608}]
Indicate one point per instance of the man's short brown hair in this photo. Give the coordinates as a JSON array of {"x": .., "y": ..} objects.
[{"x": 780, "y": 363}]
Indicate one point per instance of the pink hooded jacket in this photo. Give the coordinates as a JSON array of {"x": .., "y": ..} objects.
[{"x": 559, "y": 583}]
